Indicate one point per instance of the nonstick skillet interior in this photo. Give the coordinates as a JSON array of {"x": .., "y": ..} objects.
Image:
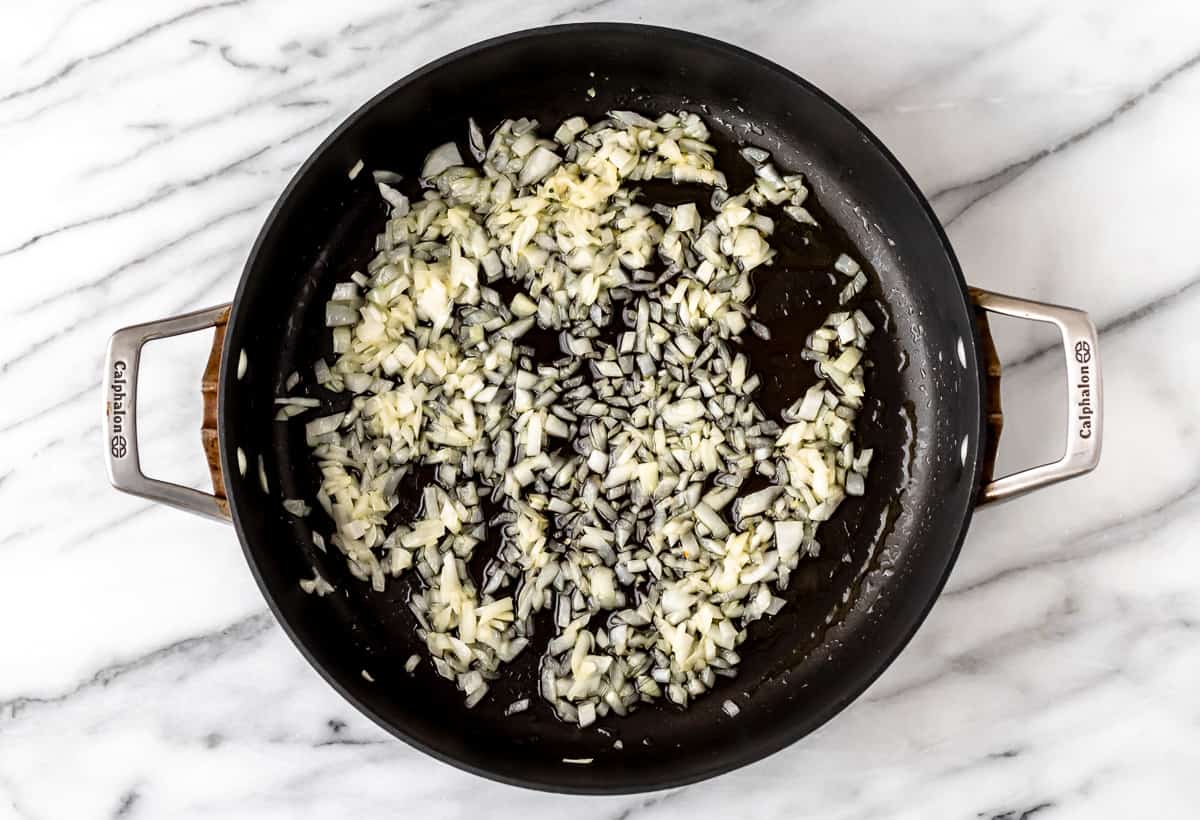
[{"x": 884, "y": 557}]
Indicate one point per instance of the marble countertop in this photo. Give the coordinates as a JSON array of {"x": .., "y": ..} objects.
[{"x": 140, "y": 673}]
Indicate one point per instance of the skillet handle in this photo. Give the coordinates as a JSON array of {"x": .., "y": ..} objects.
[
  {"x": 120, "y": 391},
  {"x": 1085, "y": 414}
]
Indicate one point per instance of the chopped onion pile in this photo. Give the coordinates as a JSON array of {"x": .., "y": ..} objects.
[{"x": 623, "y": 465}]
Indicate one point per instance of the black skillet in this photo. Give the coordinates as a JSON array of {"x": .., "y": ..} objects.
[{"x": 933, "y": 416}]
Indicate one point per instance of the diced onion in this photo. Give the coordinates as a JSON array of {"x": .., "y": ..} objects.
[
  {"x": 541, "y": 162},
  {"x": 440, "y": 159},
  {"x": 635, "y": 473}
]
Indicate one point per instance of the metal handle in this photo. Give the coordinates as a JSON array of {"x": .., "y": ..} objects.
[
  {"x": 1085, "y": 412},
  {"x": 120, "y": 390}
]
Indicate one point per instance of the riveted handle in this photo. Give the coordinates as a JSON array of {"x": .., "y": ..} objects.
[
  {"x": 120, "y": 390},
  {"x": 1085, "y": 411}
]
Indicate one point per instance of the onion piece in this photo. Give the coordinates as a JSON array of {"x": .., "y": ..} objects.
[
  {"x": 475, "y": 140},
  {"x": 338, "y": 314},
  {"x": 632, "y": 118},
  {"x": 322, "y": 426},
  {"x": 540, "y": 163},
  {"x": 754, "y": 155},
  {"x": 440, "y": 159},
  {"x": 296, "y": 507}
]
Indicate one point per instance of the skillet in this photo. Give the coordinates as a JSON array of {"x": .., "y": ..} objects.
[{"x": 933, "y": 413}]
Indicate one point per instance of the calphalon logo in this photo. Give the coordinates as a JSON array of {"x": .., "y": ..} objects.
[
  {"x": 118, "y": 446},
  {"x": 1083, "y": 404}
]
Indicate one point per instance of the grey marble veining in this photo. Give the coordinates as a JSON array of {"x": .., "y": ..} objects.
[{"x": 144, "y": 144}]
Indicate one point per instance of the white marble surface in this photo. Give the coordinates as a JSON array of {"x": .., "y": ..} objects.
[{"x": 140, "y": 676}]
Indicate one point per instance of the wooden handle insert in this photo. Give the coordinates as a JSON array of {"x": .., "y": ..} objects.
[{"x": 209, "y": 387}]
